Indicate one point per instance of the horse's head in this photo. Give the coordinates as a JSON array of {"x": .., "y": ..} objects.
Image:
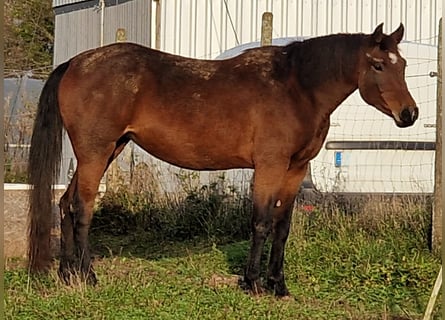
[{"x": 382, "y": 77}]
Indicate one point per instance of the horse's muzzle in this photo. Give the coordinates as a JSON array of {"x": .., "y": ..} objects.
[{"x": 407, "y": 117}]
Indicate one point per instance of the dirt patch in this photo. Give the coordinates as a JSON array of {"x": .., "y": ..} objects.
[{"x": 218, "y": 281}]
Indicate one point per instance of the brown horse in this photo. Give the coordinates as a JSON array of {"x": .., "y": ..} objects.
[{"x": 266, "y": 109}]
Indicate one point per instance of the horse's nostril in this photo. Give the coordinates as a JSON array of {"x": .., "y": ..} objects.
[
  {"x": 409, "y": 114},
  {"x": 406, "y": 116}
]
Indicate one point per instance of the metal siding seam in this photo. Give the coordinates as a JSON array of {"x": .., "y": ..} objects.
[
  {"x": 211, "y": 27},
  {"x": 196, "y": 28},
  {"x": 174, "y": 25},
  {"x": 223, "y": 30},
  {"x": 190, "y": 28},
  {"x": 206, "y": 26},
  {"x": 240, "y": 18},
  {"x": 328, "y": 17},
  {"x": 178, "y": 10},
  {"x": 163, "y": 20},
  {"x": 315, "y": 17},
  {"x": 225, "y": 34},
  {"x": 431, "y": 24},
  {"x": 286, "y": 14},
  {"x": 256, "y": 23}
]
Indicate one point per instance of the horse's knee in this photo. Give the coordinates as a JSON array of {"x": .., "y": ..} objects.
[
  {"x": 262, "y": 228},
  {"x": 261, "y": 224}
]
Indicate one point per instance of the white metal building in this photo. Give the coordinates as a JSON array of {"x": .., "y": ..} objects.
[{"x": 205, "y": 29}]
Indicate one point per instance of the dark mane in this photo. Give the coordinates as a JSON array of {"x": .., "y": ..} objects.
[{"x": 321, "y": 59}]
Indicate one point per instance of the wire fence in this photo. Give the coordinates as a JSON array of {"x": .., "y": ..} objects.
[{"x": 20, "y": 105}]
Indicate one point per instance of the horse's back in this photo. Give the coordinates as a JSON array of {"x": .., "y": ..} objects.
[{"x": 124, "y": 80}]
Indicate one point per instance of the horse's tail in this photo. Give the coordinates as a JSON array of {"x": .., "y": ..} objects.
[{"x": 43, "y": 170}]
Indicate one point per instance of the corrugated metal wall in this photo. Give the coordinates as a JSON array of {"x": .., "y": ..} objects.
[
  {"x": 134, "y": 16},
  {"x": 75, "y": 32},
  {"x": 79, "y": 30},
  {"x": 204, "y": 29}
]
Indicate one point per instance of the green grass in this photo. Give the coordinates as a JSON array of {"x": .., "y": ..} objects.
[{"x": 337, "y": 267}]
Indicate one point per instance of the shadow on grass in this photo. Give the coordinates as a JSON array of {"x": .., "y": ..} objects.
[
  {"x": 137, "y": 225},
  {"x": 145, "y": 246}
]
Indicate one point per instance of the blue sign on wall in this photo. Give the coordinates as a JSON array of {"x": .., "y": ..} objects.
[{"x": 338, "y": 155}]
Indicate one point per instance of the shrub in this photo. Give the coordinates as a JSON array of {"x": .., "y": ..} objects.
[{"x": 200, "y": 211}]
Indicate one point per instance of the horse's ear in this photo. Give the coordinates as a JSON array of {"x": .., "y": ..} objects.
[
  {"x": 398, "y": 34},
  {"x": 377, "y": 35}
]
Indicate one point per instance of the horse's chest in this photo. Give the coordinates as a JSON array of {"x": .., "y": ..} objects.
[{"x": 313, "y": 141}]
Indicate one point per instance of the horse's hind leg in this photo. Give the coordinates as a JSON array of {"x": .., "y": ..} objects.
[
  {"x": 73, "y": 210},
  {"x": 67, "y": 255}
]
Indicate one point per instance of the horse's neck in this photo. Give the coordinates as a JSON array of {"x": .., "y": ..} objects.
[
  {"x": 332, "y": 93},
  {"x": 329, "y": 94},
  {"x": 327, "y": 69}
]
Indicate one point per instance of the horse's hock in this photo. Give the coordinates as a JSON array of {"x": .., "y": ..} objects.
[{"x": 16, "y": 220}]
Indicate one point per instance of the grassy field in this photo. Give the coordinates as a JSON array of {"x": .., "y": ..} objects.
[{"x": 374, "y": 264}]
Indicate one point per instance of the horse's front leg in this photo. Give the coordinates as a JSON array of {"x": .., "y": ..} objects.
[
  {"x": 275, "y": 273},
  {"x": 261, "y": 225},
  {"x": 280, "y": 230},
  {"x": 267, "y": 181}
]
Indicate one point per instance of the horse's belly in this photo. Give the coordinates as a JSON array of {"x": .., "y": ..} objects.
[{"x": 200, "y": 153}]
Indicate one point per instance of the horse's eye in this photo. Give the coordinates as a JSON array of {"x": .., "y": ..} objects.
[{"x": 377, "y": 66}]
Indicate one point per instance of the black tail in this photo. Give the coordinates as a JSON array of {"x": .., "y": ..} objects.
[{"x": 43, "y": 169}]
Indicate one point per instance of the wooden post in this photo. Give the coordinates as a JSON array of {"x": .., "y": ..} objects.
[
  {"x": 121, "y": 35},
  {"x": 430, "y": 307},
  {"x": 438, "y": 188},
  {"x": 266, "y": 29}
]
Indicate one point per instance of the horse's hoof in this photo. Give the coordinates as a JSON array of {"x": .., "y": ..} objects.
[
  {"x": 64, "y": 276},
  {"x": 281, "y": 292},
  {"x": 91, "y": 279},
  {"x": 69, "y": 274},
  {"x": 278, "y": 288},
  {"x": 256, "y": 289},
  {"x": 253, "y": 287}
]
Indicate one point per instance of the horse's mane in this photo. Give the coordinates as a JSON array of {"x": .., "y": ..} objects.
[{"x": 317, "y": 60}]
